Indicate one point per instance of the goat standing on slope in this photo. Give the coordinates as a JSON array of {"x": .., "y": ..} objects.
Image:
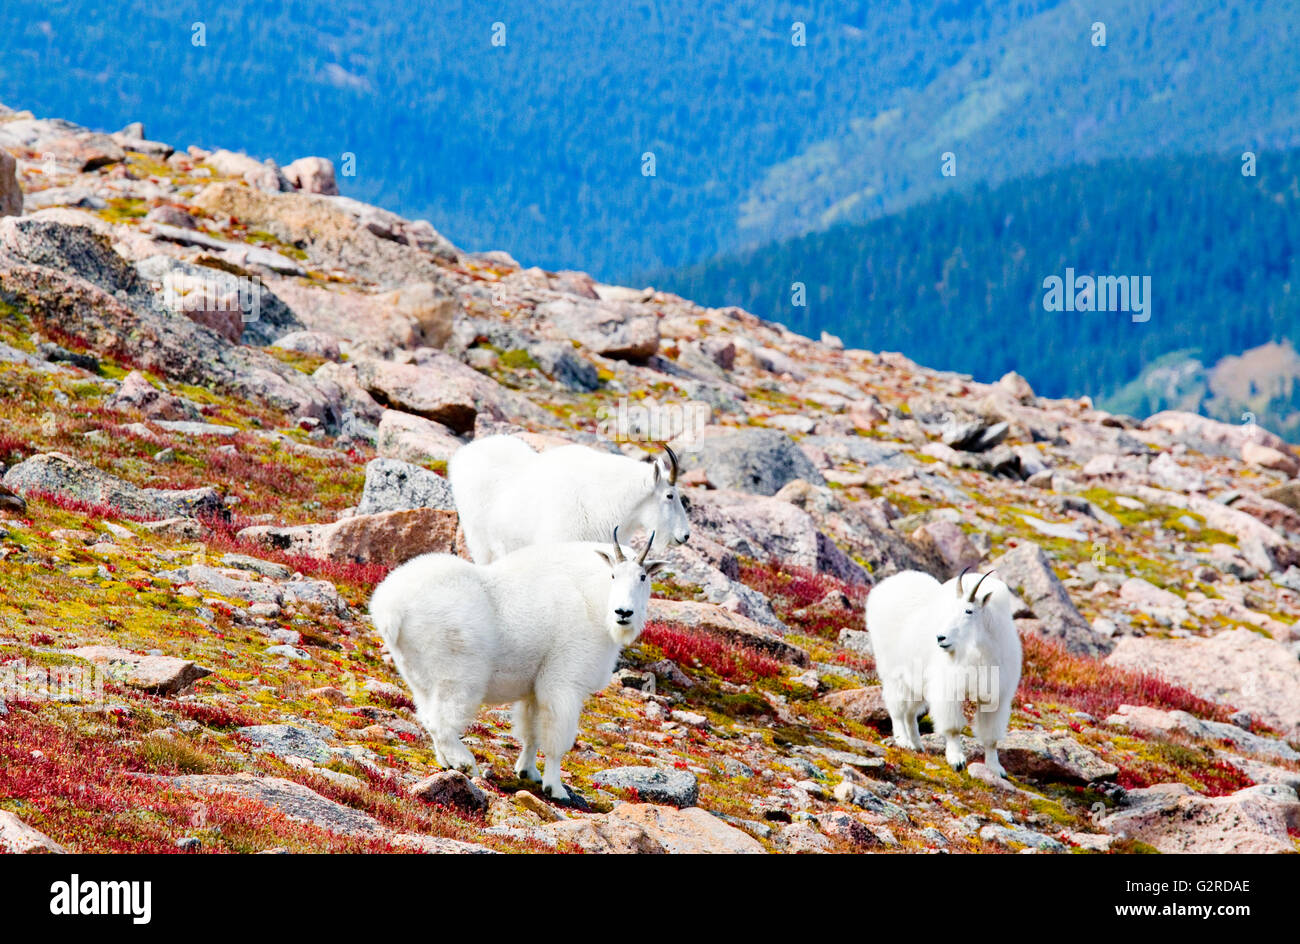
[
  {"x": 937, "y": 645},
  {"x": 509, "y": 496},
  {"x": 541, "y": 627}
]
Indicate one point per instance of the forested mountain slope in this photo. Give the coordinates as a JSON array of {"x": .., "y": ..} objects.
[{"x": 960, "y": 280}]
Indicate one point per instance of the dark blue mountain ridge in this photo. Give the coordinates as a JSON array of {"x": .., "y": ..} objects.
[{"x": 536, "y": 146}]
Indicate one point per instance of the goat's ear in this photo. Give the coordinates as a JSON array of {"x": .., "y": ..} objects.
[
  {"x": 606, "y": 558},
  {"x": 653, "y": 567},
  {"x": 659, "y": 470}
]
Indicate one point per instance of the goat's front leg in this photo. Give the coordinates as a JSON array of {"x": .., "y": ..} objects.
[
  {"x": 524, "y": 722},
  {"x": 557, "y": 716},
  {"x": 948, "y": 721}
]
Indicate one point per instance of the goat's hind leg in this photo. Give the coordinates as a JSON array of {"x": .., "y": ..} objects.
[
  {"x": 903, "y": 713},
  {"x": 990, "y": 725},
  {"x": 524, "y": 722},
  {"x": 448, "y": 714},
  {"x": 427, "y": 715}
]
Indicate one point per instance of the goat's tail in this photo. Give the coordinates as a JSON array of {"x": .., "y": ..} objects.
[{"x": 386, "y": 613}]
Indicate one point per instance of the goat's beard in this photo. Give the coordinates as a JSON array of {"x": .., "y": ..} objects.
[{"x": 624, "y": 635}]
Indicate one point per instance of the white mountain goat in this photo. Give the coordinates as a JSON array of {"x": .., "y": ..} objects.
[
  {"x": 937, "y": 645},
  {"x": 509, "y": 496},
  {"x": 541, "y": 627}
]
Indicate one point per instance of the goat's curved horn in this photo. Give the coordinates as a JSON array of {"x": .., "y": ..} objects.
[
  {"x": 618, "y": 550},
  {"x": 975, "y": 589},
  {"x": 648, "y": 544},
  {"x": 674, "y": 466},
  {"x": 960, "y": 577}
]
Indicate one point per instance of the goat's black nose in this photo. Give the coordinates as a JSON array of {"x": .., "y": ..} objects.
[
  {"x": 941, "y": 638},
  {"x": 623, "y": 613}
]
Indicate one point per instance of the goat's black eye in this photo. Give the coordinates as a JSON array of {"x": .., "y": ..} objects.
[{"x": 643, "y": 577}]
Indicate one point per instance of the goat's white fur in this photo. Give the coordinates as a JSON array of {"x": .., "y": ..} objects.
[
  {"x": 909, "y": 616},
  {"x": 509, "y": 496},
  {"x": 541, "y": 627}
]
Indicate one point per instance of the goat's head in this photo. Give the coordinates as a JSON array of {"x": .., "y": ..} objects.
[
  {"x": 629, "y": 592},
  {"x": 666, "y": 513},
  {"x": 961, "y": 627}
]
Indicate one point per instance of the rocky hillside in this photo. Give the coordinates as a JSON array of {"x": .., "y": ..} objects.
[{"x": 229, "y": 398}]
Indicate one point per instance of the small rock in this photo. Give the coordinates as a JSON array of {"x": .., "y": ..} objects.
[
  {"x": 669, "y": 671},
  {"x": 1028, "y": 572},
  {"x": 535, "y": 804},
  {"x": 602, "y": 835},
  {"x": 11, "y": 194},
  {"x": 802, "y": 838},
  {"x": 630, "y": 678},
  {"x": 137, "y": 393},
  {"x": 288, "y": 652},
  {"x": 949, "y": 542},
  {"x": 1017, "y": 386},
  {"x": 451, "y": 788},
  {"x": 11, "y": 501},
  {"x": 857, "y": 640},
  {"x": 687, "y": 831},
  {"x": 678, "y": 787},
  {"x": 611, "y": 329},
  {"x": 17, "y": 837},
  {"x": 313, "y": 343},
  {"x": 933, "y": 836},
  {"x": 1175, "y": 819},
  {"x": 329, "y": 694},
  {"x": 848, "y": 828},
  {"x": 257, "y": 565},
  {"x": 60, "y": 473},
  {"x": 1052, "y": 756},
  {"x": 1266, "y": 457},
  {"x": 748, "y": 459},
  {"x": 689, "y": 718},
  {"x": 975, "y": 436},
  {"x": 865, "y": 705},
  {"x": 389, "y": 537},
  {"x": 287, "y": 740},
  {"x": 185, "y": 529},
  {"x": 157, "y": 675},
  {"x": 414, "y": 439},
  {"x": 394, "y": 485},
  {"x": 810, "y": 680},
  {"x": 312, "y": 175},
  {"x": 860, "y": 796},
  {"x": 1018, "y": 835}
]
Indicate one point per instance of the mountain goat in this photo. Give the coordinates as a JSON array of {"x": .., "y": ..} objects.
[
  {"x": 509, "y": 496},
  {"x": 937, "y": 645},
  {"x": 541, "y": 627}
]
